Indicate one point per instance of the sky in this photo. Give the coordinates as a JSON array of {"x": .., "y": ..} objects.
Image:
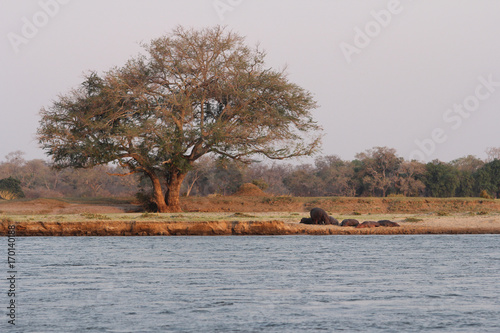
[{"x": 422, "y": 77}]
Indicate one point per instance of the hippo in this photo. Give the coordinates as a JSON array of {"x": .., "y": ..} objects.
[
  {"x": 306, "y": 220},
  {"x": 349, "y": 223},
  {"x": 368, "y": 224},
  {"x": 319, "y": 216},
  {"x": 387, "y": 223},
  {"x": 332, "y": 221}
]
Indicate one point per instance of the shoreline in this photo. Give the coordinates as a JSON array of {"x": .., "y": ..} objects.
[{"x": 227, "y": 228}]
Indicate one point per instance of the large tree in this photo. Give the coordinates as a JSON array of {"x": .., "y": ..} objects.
[{"x": 193, "y": 92}]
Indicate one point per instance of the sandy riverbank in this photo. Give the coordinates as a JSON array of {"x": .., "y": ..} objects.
[{"x": 447, "y": 225}]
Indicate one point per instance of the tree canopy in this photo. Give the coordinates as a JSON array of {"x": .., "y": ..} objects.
[{"x": 194, "y": 92}]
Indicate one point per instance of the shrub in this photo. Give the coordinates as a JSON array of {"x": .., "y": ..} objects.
[
  {"x": 10, "y": 188},
  {"x": 485, "y": 195},
  {"x": 260, "y": 183},
  {"x": 413, "y": 219},
  {"x": 146, "y": 201},
  {"x": 394, "y": 195}
]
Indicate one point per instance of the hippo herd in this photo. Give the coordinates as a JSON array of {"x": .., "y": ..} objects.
[{"x": 319, "y": 216}]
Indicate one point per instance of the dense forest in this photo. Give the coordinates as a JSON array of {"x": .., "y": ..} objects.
[{"x": 375, "y": 172}]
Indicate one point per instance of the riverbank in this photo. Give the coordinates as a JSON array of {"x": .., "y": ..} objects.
[
  {"x": 235, "y": 215},
  {"x": 226, "y": 228}
]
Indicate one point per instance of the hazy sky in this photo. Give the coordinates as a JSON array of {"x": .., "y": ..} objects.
[{"x": 422, "y": 77}]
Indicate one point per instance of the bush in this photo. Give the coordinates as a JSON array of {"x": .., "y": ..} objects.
[
  {"x": 485, "y": 195},
  {"x": 260, "y": 183},
  {"x": 10, "y": 188},
  {"x": 146, "y": 201},
  {"x": 413, "y": 219}
]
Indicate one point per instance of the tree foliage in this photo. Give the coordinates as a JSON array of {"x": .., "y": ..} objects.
[
  {"x": 441, "y": 179},
  {"x": 488, "y": 178}
]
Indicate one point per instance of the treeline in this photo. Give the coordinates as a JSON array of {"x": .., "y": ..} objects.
[
  {"x": 375, "y": 172},
  {"x": 38, "y": 179}
]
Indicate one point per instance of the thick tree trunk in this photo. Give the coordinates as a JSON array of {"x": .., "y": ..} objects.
[
  {"x": 158, "y": 197},
  {"x": 174, "y": 191}
]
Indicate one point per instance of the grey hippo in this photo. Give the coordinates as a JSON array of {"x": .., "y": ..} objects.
[
  {"x": 349, "y": 223},
  {"x": 319, "y": 216},
  {"x": 387, "y": 223},
  {"x": 368, "y": 224}
]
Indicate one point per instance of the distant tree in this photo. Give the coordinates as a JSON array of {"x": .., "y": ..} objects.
[
  {"x": 272, "y": 174},
  {"x": 303, "y": 182},
  {"x": 467, "y": 185},
  {"x": 409, "y": 181},
  {"x": 13, "y": 164},
  {"x": 336, "y": 176},
  {"x": 488, "y": 178},
  {"x": 199, "y": 172},
  {"x": 378, "y": 170},
  {"x": 468, "y": 163},
  {"x": 228, "y": 176},
  {"x": 493, "y": 153},
  {"x": 466, "y": 167},
  {"x": 195, "y": 92},
  {"x": 441, "y": 179}
]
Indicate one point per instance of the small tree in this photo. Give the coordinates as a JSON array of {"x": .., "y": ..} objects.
[{"x": 195, "y": 92}]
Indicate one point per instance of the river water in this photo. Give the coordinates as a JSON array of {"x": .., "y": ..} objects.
[{"x": 402, "y": 283}]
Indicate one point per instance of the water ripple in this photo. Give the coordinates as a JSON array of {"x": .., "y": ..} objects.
[{"x": 434, "y": 283}]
